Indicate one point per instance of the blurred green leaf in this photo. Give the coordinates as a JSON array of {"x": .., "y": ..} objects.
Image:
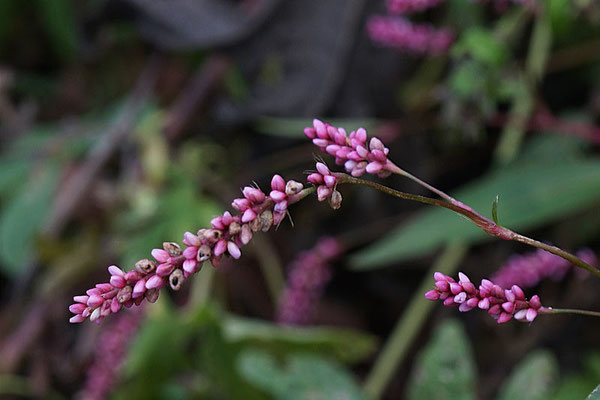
[
  {"x": 344, "y": 344},
  {"x": 299, "y": 377},
  {"x": 532, "y": 379},
  {"x": 293, "y": 128},
  {"x": 483, "y": 46},
  {"x": 579, "y": 385},
  {"x": 539, "y": 47},
  {"x": 462, "y": 82},
  {"x": 445, "y": 368},
  {"x": 595, "y": 395},
  {"x": 561, "y": 16},
  {"x": 22, "y": 217},
  {"x": 533, "y": 191}
]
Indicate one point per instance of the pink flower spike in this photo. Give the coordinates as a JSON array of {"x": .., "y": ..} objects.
[
  {"x": 432, "y": 295},
  {"x": 323, "y": 169},
  {"x": 160, "y": 255},
  {"x": 277, "y": 195},
  {"x": 234, "y": 250},
  {"x": 374, "y": 167},
  {"x": 329, "y": 180},
  {"x": 76, "y": 319},
  {"x": 189, "y": 266},
  {"x": 278, "y": 183},
  {"x": 249, "y": 215},
  {"x": 154, "y": 281},
  {"x": 531, "y": 314},
  {"x": 116, "y": 271},
  {"x": 504, "y": 317},
  {"x": 190, "y": 252},
  {"x": 139, "y": 288},
  {"x": 81, "y": 299},
  {"x": 77, "y": 308},
  {"x": 117, "y": 281},
  {"x": 95, "y": 300},
  {"x": 220, "y": 247}
]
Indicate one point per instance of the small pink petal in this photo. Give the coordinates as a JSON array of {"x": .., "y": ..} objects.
[
  {"x": 315, "y": 178},
  {"x": 217, "y": 223},
  {"x": 116, "y": 271},
  {"x": 220, "y": 247},
  {"x": 163, "y": 270},
  {"x": 233, "y": 250},
  {"x": 81, "y": 299},
  {"x": 374, "y": 167},
  {"x": 504, "y": 317},
  {"x": 115, "y": 306},
  {"x": 76, "y": 319},
  {"x": 277, "y": 195},
  {"x": 531, "y": 314},
  {"x": 155, "y": 281},
  {"x": 320, "y": 128},
  {"x": 77, "y": 308},
  {"x": 278, "y": 183},
  {"x": 95, "y": 300},
  {"x": 227, "y": 218},
  {"x": 310, "y": 133},
  {"x": 432, "y": 295},
  {"x": 117, "y": 281},
  {"x": 323, "y": 169},
  {"x": 160, "y": 255},
  {"x": 189, "y": 239},
  {"x": 139, "y": 289},
  {"x": 329, "y": 180},
  {"x": 189, "y": 266},
  {"x": 190, "y": 252}
]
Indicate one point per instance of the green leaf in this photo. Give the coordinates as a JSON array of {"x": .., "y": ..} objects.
[
  {"x": 345, "y": 345},
  {"x": 483, "y": 46},
  {"x": 22, "y": 218},
  {"x": 495, "y": 209},
  {"x": 533, "y": 193},
  {"x": 301, "y": 377},
  {"x": 58, "y": 17},
  {"x": 293, "y": 127},
  {"x": 595, "y": 395},
  {"x": 533, "y": 379},
  {"x": 445, "y": 368}
]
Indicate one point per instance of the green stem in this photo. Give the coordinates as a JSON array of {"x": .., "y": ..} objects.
[
  {"x": 409, "y": 324},
  {"x": 486, "y": 224},
  {"x": 550, "y": 310}
]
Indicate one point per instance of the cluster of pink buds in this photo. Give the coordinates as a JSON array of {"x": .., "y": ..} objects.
[
  {"x": 529, "y": 269},
  {"x": 401, "y": 34},
  {"x": 308, "y": 275},
  {"x": 350, "y": 150},
  {"x": 172, "y": 264},
  {"x": 326, "y": 183},
  {"x": 399, "y": 7},
  {"x": 502, "y": 304}
]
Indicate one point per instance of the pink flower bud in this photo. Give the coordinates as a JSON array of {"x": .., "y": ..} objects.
[
  {"x": 254, "y": 195},
  {"x": 81, "y": 299},
  {"x": 189, "y": 266},
  {"x": 310, "y": 133},
  {"x": 322, "y": 168},
  {"x": 329, "y": 180},
  {"x": 154, "y": 282},
  {"x": 139, "y": 288},
  {"x": 315, "y": 178},
  {"x": 217, "y": 223},
  {"x": 116, "y": 271},
  {"x": 77, "y": 308},
  {"x": 220, "y": 247},
  {"x": 278, "y": 183},
  {"x": 320, "y": 128},
  {"x": 160, "y": 255},
  {"x": 76, "y": 319},
  {"x": 233, "y": 250},
  {"x": 117, "y": 281},
  {"x": 163, "y": 270},
  {"x": 95, "y": 300},
  {"x": 277, "y": 195},
  {"x": 504, "y": 317},
  {"x": 189, "y": 239},
  {"x": 190, "y": 252},
  {"x": 531, "y": 314},
  {"x": 432, "y": 295},
  {"x": 374, "y": 167}
]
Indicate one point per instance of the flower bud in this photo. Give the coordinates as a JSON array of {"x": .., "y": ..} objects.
[
  {"x": 234, "y": 228},
  {"x": 124, "y": 294},
  {"x": 204, "y": 253},
  {"x": 293, "y": 187},
  {"x": 335, "y": 201},
  {"x": 151, "y": 295}
]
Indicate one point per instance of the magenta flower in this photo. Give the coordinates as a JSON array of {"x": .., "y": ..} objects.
[
  {"x": 529, "y": 269},
  {"x": 399, "y": 7},
  {"x": 171, "y": 265},
  {"x": 109, "y": 355},
  {"x": 309, "y": 273},
  {"x": 401, "y": 34},
  {"x": 351, "y": 150},
  {"x": 326, "y": 183},
  {"x": 501, "y": 304}
]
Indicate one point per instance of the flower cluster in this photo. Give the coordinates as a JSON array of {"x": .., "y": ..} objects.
[
  {"x": 399, "y": 7},
  {"x": 502, "y": 304},
  {"x": 528, "y": 270},
  {"x": 109, "y": 356},
  {"x": 172, "y": 265},
  {"x": 350, "y": 150},
  {"x": 308, "y": 275},
  {"x": 401, "y": 34},
  {"x": 326, "y": 183}
]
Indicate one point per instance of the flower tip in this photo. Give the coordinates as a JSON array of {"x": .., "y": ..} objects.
[{"x": 432, "y": 295}]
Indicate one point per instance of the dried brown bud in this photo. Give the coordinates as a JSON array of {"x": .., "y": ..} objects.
[
  {"x": 234, "y": 228},
  {"x": 176, "y": 279},
  {"x": 267, "y": 220},
  {"x": 293, "y": 187},
  {"x": 213, "y": 235},
  {"x": 202, "y": 234},
  {"x": 172, "y": 248},
  {"x": 151, "y": 295},
  {"x": 145, "y": 266},
  {"x": 204, "y": 253},
  {"x": 256, "y": 224},
  {"x": 335, "y": 201},
  {"x": 124, "y": 294}
]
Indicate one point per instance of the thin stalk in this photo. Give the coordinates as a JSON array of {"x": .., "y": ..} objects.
[
  {"x": 550, "y": 310},
  {"x": 409, "y": 324},
  {"x": 486, "y": 224}
]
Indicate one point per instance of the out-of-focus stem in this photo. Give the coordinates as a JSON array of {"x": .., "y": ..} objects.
[
  {"x": 409, "y": 324},
  {"x": 550, "y": 310},
  {"x": 486, "y": 224}
]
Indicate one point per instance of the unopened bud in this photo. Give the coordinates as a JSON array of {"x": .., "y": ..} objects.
[
  {"x": 145, "y": 266},
  {"x": 172, "y": 248},
  {"x": 124, "y": 294},
  {"x": 213, "y": 235},
  {"x": 335, "y": 201},
  {"x": 176, "y": 279}
]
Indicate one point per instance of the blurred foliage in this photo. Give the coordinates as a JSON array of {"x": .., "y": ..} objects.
[
  {"x": 533, "y": 378},
  {"x": 445, "y": 368}
]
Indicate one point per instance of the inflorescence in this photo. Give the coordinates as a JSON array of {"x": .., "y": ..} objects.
[{"x": 501, "y": 304}]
